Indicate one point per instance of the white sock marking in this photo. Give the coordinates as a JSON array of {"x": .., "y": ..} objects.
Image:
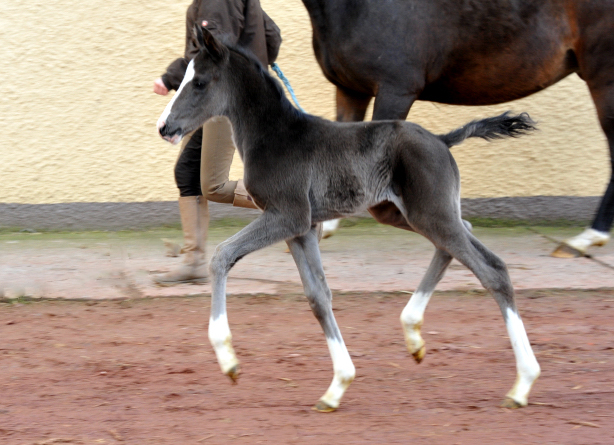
[
  {"x": 412, "y": 318},
  {"x": 344, "y": 372},
  {"x": 221, "y": 339},
  {"x": 526, "y": 364},
  {"x": 588, "y": 238},
  {"x": 330, "y": 227}
]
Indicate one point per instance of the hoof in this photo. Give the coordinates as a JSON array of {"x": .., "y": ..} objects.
[
  {"x": 565, "y": 251},
  {"x": 323, "y": 407},
  {"x": 511, "y": 404},
  {"x": 234, "y": 374},
  {"x": 329, "y": 228},
  {"x": 419, "y": 354}
]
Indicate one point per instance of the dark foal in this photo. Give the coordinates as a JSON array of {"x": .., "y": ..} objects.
[
  {"x": 460, "y": 52},
  {"x": 302, "y": 170}
]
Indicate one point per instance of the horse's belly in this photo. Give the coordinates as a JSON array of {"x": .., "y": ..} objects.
[{"x": 499, "y": 78}]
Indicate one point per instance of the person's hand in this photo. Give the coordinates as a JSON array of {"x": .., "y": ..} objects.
[{"x": 159, "y": 87}]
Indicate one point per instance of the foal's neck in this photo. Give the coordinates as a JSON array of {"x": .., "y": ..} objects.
[{"x": 259, "y": 114}]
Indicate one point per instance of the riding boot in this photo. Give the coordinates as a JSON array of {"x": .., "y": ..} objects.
[
  {"x": 194, "y": 212},
  {"x": 242, "y": 198}
]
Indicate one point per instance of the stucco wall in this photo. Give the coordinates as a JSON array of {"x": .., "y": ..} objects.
[{"x": 78, "y": 111}]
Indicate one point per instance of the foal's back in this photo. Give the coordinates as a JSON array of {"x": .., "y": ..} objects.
[{"x": 359, "y": 165}]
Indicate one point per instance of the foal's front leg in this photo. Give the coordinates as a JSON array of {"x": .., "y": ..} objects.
[
  {"x": 264, "y": 231},
  {"x": 306, "y": 254}
]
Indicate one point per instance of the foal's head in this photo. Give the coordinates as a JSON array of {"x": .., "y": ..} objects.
[{"x": 203, "y": 93}]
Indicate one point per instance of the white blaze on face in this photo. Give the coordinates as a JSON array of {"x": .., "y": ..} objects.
[{"x": 189, "y": 75}]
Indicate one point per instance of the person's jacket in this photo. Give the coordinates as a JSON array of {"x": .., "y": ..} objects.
[{"x": 241, "y": 22}]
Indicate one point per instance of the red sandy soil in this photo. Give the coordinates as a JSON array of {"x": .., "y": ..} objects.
[{"x": 143, "y": 372}]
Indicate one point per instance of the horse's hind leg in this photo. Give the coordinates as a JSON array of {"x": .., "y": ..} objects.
[
  {"x": 413, "y": 314},
  {"x": 306, "y": 254},
  {"x": 602, "y": 91},
  {"x": 603, "y": 96},
  {"x": 351, "y": 105},
  {"x": 492, "y": 273}
]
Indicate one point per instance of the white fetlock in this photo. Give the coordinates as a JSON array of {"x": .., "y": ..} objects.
[
  {"x": 528, "y": 369},
  {"x": 588, "y": 238},
  {"x": 329, "y": 228},
  {"x": 411, "y": 320},
  {"x": 413, "y": 339},
  {"x": 344, "y": 375},
  {"x": 221, "y": 340},
  {"x": 519, "y": 394}
]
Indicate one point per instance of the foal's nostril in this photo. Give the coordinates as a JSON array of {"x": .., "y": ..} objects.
[{"x": 162, "y": 129}]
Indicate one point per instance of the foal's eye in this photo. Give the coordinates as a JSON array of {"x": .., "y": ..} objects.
[{"x": 198, "y": 84}]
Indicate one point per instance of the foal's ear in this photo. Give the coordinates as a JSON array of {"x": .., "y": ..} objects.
[
  {"x": 197, "y": 31},
  {"x": 207, "y": 41}
]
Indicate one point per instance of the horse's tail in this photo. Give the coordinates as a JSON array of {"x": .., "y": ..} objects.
[{"x": 498, "y": 127}]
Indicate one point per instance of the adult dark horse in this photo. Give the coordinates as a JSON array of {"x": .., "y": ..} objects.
[{"x": 468, "y": 52}]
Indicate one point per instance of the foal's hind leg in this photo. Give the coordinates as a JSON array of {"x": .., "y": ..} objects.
[
  {"x": 267, "y": 229},
  {"x": 492, "y": 273},
  {"x": 306, "y": 254},
  {"x": 413, "y": 314}
]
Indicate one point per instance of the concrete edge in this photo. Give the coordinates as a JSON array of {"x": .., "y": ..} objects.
[
  {"x": 105, "y": 215},
  {"x": 141, "y": 215},
  {"x": 469, "y": 292}
]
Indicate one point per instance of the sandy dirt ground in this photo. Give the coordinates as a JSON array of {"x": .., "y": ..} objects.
[{"x": 142, "y": 372}]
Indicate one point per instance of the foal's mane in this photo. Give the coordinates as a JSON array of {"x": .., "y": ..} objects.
[{"x": 272, "y": 83}]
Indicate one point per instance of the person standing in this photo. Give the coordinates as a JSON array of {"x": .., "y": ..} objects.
[{"x": 202, "y": 169}]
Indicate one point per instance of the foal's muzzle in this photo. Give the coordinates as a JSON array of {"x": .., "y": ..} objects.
[{"x": 172, "y": 135}]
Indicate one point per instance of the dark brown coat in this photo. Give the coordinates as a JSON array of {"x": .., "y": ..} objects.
[
  {"x": 465, "y": 52},
  {"x": 241, "y": 22}
]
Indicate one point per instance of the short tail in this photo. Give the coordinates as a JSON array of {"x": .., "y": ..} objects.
[{"x": 498, "y": 127}]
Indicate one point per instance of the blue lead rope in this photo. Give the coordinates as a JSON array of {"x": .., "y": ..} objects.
[{"x": 286, "y": 82}]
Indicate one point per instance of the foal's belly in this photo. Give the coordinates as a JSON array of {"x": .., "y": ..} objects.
[{"x": 346, "y": 194}]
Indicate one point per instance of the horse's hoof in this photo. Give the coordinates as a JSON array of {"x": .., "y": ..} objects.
[
  {"x": 566, "y": 251},
  {"x": 233, "y": 373},
  {"x": 323, "y": 407},
  {"x": 510, "y": 404},
  {"x": 329, "y": 228},
  {"x": 419, "y": 354}
]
